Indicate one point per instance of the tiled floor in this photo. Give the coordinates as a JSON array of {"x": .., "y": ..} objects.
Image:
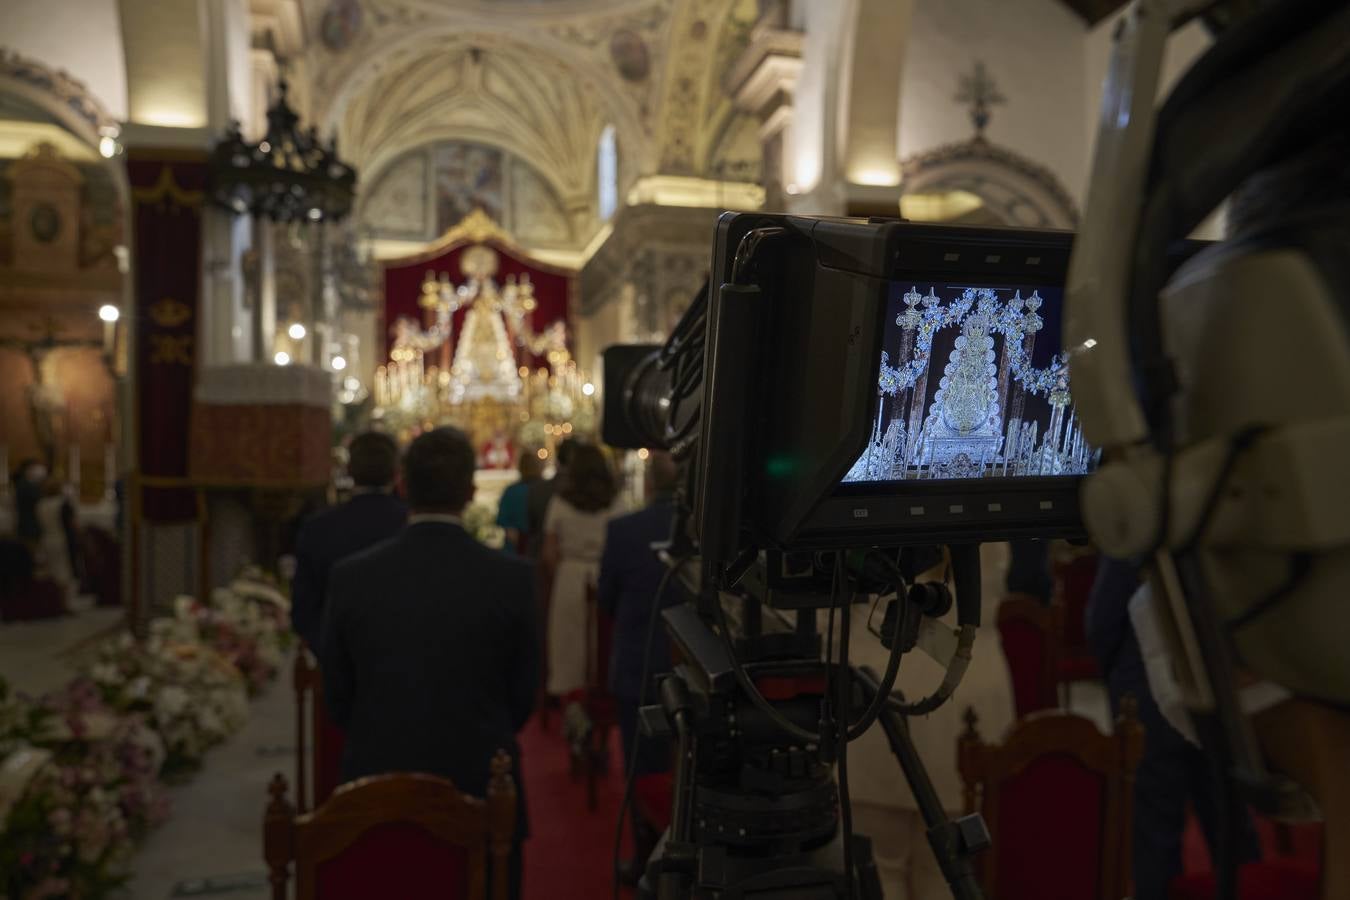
[
  {"x": 37, "y": 657},
  {"x": 212, "y": 844}
]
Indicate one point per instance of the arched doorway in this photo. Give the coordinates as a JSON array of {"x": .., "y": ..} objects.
[{"x": 979, "y": 183}]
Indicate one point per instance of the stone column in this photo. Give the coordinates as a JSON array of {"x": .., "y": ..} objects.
[{"x": 764, "y": 82}]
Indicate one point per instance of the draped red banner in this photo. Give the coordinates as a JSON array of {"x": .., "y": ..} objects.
[
  {"x": 168, "y": 189},
  {"x": 553, "y": 286}
]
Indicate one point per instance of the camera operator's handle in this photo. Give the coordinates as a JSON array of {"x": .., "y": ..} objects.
[{"x": 953, "y": 841}]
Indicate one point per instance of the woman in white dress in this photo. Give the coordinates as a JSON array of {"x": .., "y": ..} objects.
[
  {"x": 574, "y": 536},
  {"x": 883, "y": 807}
]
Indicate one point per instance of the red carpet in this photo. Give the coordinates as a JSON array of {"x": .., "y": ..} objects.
[{"x": 569, "y": 855}]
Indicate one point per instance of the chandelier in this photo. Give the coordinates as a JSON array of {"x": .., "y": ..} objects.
[
  {"x": 288, "y": 176},
  {"x": 488, "y": 387}
]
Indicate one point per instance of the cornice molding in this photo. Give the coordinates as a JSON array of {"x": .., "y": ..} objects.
[{"x": 58, "y": 85}]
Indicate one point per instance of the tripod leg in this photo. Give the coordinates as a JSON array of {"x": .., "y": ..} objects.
[{"x": 952, "y": 842}]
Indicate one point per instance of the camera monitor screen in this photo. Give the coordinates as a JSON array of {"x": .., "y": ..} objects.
[{"x": 973, "y": 384}]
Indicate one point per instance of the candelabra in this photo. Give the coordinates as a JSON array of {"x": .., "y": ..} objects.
[{"x": 489, "y": 387}]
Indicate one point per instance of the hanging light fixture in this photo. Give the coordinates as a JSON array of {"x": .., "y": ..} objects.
[{"x": 288, "y": 176}]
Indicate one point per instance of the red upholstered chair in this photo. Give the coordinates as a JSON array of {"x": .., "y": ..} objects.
[
  {"x": 652, "y": 800},
  {"x": 1029, "y": 632},
  {"x": 1057, "y": 796},
  {"x": 1074, "y": 575},
  {"x": 410, "y": 836},
  {"x": 324, "y": 764}
]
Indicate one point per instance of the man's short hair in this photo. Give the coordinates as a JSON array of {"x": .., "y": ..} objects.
[
  {"x": 372, "y": 460},
  {"x": 438, "y": 470}
]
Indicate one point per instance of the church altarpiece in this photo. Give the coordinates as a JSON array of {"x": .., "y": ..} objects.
[
  {"x": 477, "y": 335},
  {"x": 60, "y": 220}
]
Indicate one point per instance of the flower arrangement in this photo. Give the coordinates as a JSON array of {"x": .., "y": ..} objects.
[
  {"x": 65, "y": 837},
  {"x": 81, "y": 769},
  {"x": 481, "y": 523},
  {"x": 79, "y": 797},
  {"x": 243, "y": 631},
  {"x": 190, "y": 695}
]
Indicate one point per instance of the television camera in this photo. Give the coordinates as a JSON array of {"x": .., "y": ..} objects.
[
  {"x": 847, "y": 394},
  {"x": 846, "y": 397}
]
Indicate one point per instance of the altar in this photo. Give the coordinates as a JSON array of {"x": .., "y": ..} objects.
[
  {"x": 488, "y": 485},
  {"x": 478, "y": 337}
]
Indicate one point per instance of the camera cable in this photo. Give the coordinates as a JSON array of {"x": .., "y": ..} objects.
[
  {"x": 625, "y": 807},
  {"x": 845, "y": 694}
]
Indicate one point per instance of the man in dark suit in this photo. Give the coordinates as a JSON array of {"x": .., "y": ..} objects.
[
  {"x": 630, "y": 575},
  {"x": 1173, "y": 773},
  {"x": 429, "y": 651},
  {"x": 372, "y": 514}
]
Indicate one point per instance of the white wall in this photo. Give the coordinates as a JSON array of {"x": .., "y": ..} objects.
[
  {"x": 83, "y": 37},
  {"x": 1033, "y": 50}
]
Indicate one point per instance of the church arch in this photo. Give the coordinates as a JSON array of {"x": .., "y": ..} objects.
[{"x": 1013, "y": 190}]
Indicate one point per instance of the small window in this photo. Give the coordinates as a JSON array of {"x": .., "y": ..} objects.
[{"x": 607, "y": 174}]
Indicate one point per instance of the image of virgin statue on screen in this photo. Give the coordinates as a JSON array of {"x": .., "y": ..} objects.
[{"x": 972, "y": 384}]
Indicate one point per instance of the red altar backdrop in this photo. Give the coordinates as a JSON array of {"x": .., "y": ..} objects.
[{"x": 553, "y": 286}]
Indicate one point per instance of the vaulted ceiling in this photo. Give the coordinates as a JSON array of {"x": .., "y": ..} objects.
[
  {"x": 501, "y": 94},
  {"x": 537, "y": 78}
]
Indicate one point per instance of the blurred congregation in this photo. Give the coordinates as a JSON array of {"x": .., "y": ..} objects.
[{"x": 316, "y": 577}]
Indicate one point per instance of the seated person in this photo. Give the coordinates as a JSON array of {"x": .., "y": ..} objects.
[
  {"x": 429, "y": 650},
  {"x": 372, "y": 514}
]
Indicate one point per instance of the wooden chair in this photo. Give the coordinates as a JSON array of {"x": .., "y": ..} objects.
[
  {"x": 1057, "y": 796},
  {"x": 324, "y": 765},
  {"x": 1028, "y": 630},
  {"x": 404, "y": 835}
]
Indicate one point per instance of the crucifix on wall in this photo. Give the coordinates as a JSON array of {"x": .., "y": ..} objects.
[{"x": 978, "y": 91}]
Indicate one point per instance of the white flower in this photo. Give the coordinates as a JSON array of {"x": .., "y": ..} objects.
[
  {"x": 209, "y": 721},
  {"x": 139, "y": 688},
  {"x": 171, "y": 702},
  {"x": 105, "y": 673}
]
